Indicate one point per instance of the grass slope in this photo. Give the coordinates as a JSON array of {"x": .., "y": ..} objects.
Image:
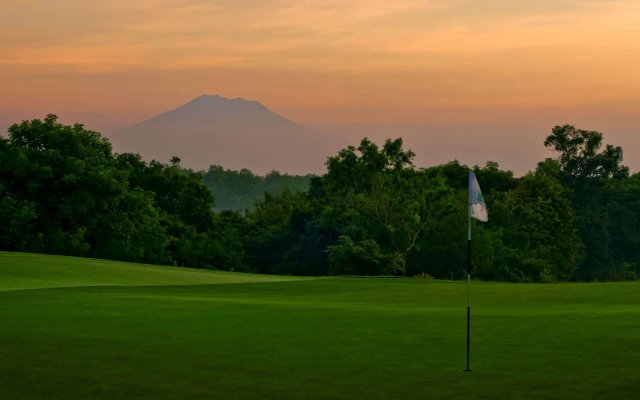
[
  {"x": 37, "y": 271},
  {"x": 318, "y": 339}
]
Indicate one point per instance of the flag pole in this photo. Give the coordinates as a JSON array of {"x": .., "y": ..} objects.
[
  {"x": 476, "y": 208},
  {"x": 468, "y": 369}
]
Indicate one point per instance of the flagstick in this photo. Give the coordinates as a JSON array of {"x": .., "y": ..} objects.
[
  {"x": 477, "y": 209},
  {"x": 468, "y": 289}
]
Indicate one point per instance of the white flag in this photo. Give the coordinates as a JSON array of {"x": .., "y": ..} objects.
[{"x": 477, "y": 208}]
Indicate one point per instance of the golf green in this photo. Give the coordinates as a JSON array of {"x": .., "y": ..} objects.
[{"x": 74, "y": 328}]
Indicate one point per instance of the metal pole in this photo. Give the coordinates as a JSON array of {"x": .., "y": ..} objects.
[{"x": 468, "y": 290}]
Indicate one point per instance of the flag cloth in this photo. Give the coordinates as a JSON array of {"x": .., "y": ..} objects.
[{"x": 477, "y": 208}]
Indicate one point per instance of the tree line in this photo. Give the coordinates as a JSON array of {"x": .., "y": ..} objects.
[
  {"x": 241, "y": 190},
  {"x": 575, "y": 217}
]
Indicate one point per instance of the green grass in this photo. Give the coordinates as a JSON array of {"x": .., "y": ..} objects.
[
  {"x": 138, "y": 332},
  {"x": 37, "y": 271}
]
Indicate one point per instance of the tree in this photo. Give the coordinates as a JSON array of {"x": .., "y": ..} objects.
[
  {"x": 240, "y": 190},
  {"x": 276, "y": 228},
  {"x": 587, "y": 171},
  {"x": 537, "y": 221},
  {"x": 185, "y": 206},
  {"x": 578, "y": 153},
  {"x": 623, "y": 225},
  {"x": 18, "y": 216},
  {"x": 71, "y": 178},
  {"x": 375, "y": 199}
]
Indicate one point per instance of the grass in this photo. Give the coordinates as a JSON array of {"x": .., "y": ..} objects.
[
  {"x": 37, "y": 271},
  {"x": 125, "y": 331}
]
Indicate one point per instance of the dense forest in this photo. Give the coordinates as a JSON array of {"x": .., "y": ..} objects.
[
  {"x": 575, "y": 217},
  {"x": 241, "y": 190}
]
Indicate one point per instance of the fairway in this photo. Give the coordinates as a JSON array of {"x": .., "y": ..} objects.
[{"x": 73, "y": 328}]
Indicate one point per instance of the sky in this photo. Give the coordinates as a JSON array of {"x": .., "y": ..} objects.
[{"x": 472, "y": 80}]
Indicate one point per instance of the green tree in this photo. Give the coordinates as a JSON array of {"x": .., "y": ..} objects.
[
  {"x": 277, "y": 226},
  {"x": 240, "y": 190},
  {"x": 623, "y": 225},
  {"x": 18, "y": 216},
  {"x": 538, "y": 222},
  {"x": 580, "y": 158},
  {"x": 71, "y": 178},
  {"x": 185, "y": 209},
  {"x": 587, "y": 171},
  {"x": 375, "y": 199}
]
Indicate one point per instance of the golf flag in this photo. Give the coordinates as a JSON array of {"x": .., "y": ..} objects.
[{"x": 477, "y": 208}]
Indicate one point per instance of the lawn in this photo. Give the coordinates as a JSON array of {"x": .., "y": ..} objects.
[{"x": 75, "y": 328}]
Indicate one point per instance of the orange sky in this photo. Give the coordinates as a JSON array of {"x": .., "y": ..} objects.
[{"x": 442, "y": 73}]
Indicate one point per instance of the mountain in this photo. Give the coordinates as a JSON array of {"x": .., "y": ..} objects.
[{"x": 234, "y": 133}]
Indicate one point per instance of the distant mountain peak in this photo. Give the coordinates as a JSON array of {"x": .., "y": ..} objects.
[
  {"x": 214, "y": 107},
  {"x": 214, "y": 99},
  {"x": 236, "y": 133}
]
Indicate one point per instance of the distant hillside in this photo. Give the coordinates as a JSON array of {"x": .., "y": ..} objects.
[
  {"x": 236, "y": 133},
  {"x": 240, "y": 190}
]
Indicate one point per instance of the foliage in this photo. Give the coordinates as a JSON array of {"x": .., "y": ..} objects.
[
  {"x": 580, "y": 157},
  {"x": 69, "y": 194},
  {"x": 538, "y": 222},
  {"x": 382, "y": 203},
  {"x": 67, "y": 178},
  {"x": 240, "y": 190},
  {"x": 576, "y": 217},
  {"x": 597, "y": 182}
]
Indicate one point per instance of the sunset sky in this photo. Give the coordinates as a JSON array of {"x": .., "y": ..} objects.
[{"x": 459, "y": 79}]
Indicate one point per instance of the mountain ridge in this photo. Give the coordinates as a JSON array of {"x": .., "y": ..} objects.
[{"x": 235, "y": 133}]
